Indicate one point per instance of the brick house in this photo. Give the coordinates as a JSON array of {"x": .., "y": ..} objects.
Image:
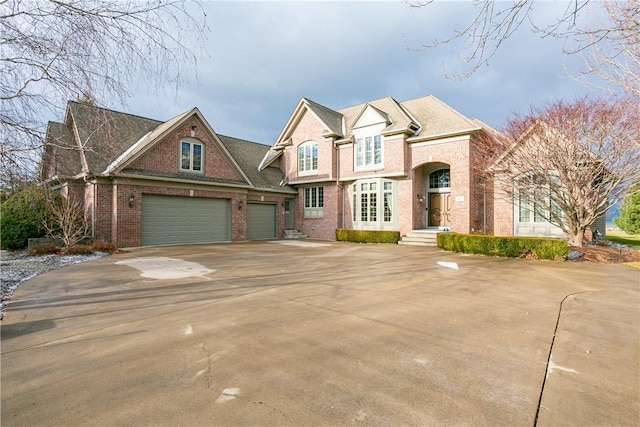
[
  {"x": 383, "y": 165},
  {"x": 147, "y": 182}
]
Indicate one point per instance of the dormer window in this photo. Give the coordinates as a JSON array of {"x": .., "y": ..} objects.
[
  {"x": 368, "y": 151},
  {"x": 308, "y": 157},
  {"x": 191, "y": 154}
]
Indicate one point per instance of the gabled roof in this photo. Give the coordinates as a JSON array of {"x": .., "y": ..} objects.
[
  {"x": 533, "y": 132},
  {"x": 104, "y": 134},
  {"x": 331, "y": 120},
  {"x": 160, "y": 132},
  {"x": 420, "y": 119},
  {"x": 99, "y": 141},
  {"x": 61, "y": 156},
  {"x": 397, "y": 118},
  {"x": 248, "y": 155}
]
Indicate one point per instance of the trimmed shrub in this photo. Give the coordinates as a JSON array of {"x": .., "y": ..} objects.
[
  {"x": 23, "y": 214},
  {"x": 44, "y": 249},
  {"x": 367, "y": 236},
  {"x": 530, "y": 247},
  {"x": 102, "y": 246},
  {"x": 79, "y": 250}
]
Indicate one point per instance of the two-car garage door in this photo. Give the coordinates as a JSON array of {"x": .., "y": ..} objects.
[{"x": 170, "y": 220}]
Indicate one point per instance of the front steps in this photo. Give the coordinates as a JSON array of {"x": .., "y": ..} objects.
[
  {"x": 421, "y": 237},
  {"x": 294, "y": 234}
]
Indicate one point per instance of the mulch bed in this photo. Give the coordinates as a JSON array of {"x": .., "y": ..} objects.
[{"x": 606, "y": 254}]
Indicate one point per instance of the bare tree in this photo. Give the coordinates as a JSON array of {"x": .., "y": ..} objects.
[
  {"x": 570, "y": 161},
  {"x": 67, "y": 221},
  {"x": 611, "y": 50},
  {"x": 605, "y": 34},
  {"x": 55, "y": 50}
]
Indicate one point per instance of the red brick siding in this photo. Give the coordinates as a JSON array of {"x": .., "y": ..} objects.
[
  {"x": 103, "y": 199},
  {"x": 325, "y": 227},
  {"x": 456, "y": 154},
  {"x": 164, "y": 156},
  {"x": 503, "y": 212},
  {"x": 309, "y": 129},
  {"x": 122, "y": 225}
]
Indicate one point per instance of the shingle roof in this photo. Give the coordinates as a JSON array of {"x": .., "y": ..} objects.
[
  {"x": 61, "y": 157},
  {"x": 106, "y": 134},
  {"x": 329, "y": 117},
  {"x": 111, "y": 137},
  {"x": 437, "y": 118},
  {"x": 399, "y": 118},
  {"x": 432, "y": 115},
  {"x": 248, "y": 155}
]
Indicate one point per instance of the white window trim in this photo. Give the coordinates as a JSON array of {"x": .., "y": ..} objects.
[
  {"x": 360, "y": 144},
  {"x": 379, "y": 223},
  {"x": 192, "y": 142},
  {"x": 311, "y": 211},
  {"x": 308, "y": 159}
]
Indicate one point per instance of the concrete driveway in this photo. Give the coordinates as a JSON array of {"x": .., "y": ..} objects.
[{"x": 322, "y": 333}]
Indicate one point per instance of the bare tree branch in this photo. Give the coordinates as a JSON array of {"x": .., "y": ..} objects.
[
  {"x": 576, "y": 160},
  {"x": 605, "y": 34},
  {"x": 55, "y": 50}
]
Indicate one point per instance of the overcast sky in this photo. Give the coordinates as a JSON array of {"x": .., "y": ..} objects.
[{"x": 262, "y": 57}]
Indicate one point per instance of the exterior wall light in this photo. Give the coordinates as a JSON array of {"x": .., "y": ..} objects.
[
  {"x": 132, "y": 199},
  {"x": 240, "y": 205},
  {"x": 420, "y": 198}
]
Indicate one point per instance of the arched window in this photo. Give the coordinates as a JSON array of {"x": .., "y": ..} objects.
[
  {"x": 308, "y": 157},
  {"x": 439, "y": 179}
]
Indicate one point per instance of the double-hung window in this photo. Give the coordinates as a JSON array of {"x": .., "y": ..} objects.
[
  {"x": 368, "y": 151},
  {"x": 313, "y": 202},
  {"x": 191, "y": 155},
  {"x": 308, "y": 157}
]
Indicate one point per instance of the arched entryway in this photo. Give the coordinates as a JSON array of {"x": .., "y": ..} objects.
[{"x": 437, "y": 187}]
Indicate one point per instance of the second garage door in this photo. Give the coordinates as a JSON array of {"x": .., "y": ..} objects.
[
  {"x": 261, "y": 221},
  {"x": 177, "y": 220}
]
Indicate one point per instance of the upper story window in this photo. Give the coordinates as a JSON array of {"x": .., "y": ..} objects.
[
  {"x": 368, "y": 151},
  {"x": 191, "y": 155},
  {"x": 308, "y": 157}
]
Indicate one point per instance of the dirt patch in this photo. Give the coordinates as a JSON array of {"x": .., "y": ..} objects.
[{"x": 608, "y": 254}]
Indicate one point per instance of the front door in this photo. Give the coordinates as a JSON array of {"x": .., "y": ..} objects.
[
  {"x": 288, "y": 214},
  {"x": 438, "y": 209}
]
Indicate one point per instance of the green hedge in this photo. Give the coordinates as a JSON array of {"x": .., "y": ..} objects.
[
  {"x": 541, "y": 248},
  {"x": 367, "y": 236}
]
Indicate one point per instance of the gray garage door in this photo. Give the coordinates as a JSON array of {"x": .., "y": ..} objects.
[
  {"x": 173, "y": 220},
  {"x": 261, "y": 221}
]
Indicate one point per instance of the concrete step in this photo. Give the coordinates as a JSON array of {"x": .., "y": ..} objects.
[
  {"x": 294, "y": 234},
  {"x": 420, "y": 238}
]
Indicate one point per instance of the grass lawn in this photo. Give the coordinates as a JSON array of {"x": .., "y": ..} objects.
[
  {"x": 624, "y": 238},
  {"x": 632, "y": 264}
]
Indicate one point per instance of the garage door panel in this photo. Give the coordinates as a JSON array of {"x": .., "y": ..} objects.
[
  {"x": 261, "y": 221},
  {"x": 175, "y": 220}
]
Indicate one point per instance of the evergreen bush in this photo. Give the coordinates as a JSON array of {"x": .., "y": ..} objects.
[
  {"x": 629, "y": 219},
  {"x": 23, "y": 214},
  {"x": 532, "y": 247},
  {"x": 367, "y": 236}
]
